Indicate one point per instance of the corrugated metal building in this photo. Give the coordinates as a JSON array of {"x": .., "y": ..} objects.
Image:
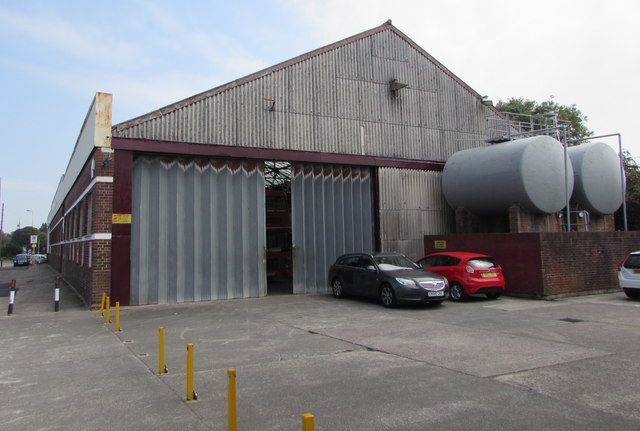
[{"x": 359, "y": 130}]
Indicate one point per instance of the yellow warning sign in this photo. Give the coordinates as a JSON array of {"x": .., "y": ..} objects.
[
  {"x": 440, "y": 244},
  {"x": 121, "y": 218}
]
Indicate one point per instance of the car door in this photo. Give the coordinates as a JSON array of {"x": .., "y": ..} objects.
[
  {"x": 368, "y": 277},
  {"x": 440, "y": 264},
  {"x": 349, "y": 273},
  {"x": 450, "y": 268}
]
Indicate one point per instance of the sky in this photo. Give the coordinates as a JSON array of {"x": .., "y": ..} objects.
[{"x": 55, "y": 55}]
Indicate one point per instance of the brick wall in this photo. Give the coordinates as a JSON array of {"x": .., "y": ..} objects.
[
  {"x": 83, "y": 262},
  {"x": 548, "y": 265},
  {"x": 592, "y": 257}
]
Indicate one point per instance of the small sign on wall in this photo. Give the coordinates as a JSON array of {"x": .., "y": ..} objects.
[
  {"x": 440, "y": 244},
  {"x": 121, "y": 218}
]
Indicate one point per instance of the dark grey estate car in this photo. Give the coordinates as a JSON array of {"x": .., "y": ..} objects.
[
  {"x": 391, "y": 277},
  {"x": 22, "y": 260}
]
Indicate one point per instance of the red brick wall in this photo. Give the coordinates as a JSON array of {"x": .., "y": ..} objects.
[
  {"x": 547, "y": 265},
  {"x": 592, "y": 257},
  {"x": 84, "y": 263}
]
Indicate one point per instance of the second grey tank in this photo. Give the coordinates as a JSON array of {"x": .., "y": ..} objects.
[
  {"x": 598, "y": 185},
  {"x": 528, "y": 172}
]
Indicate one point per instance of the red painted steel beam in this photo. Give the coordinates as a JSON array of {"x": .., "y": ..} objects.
[{"x": 211, "y": 150}]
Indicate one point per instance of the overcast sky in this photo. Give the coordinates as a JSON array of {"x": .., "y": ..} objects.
[{"x": 57, "y": 54}]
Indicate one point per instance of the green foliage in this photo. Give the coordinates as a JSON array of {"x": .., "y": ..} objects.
[
  {"x": 10, "y": 250},
  {"x": 20, "y": 240},
  {"x": 570, "y": 114},
  {"x": 632, "y": 173}
]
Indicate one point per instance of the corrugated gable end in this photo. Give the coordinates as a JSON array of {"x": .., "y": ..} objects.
[
  {"x": 387, "y": 47},
  {"x": 239, "y": 82}
]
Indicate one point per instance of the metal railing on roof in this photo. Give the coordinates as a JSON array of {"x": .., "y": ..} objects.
[{"x": 511, "y": 125}]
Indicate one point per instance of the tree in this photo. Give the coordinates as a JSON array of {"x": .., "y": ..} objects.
[
  {"x": 632, "y": 173},
  {"x": 10, "y": 250},
  {"x": 539, "y": 112},
  {"x": 22, "y": 237}
]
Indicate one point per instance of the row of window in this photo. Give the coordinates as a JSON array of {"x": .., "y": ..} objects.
[{"x": 77, "y": 223}]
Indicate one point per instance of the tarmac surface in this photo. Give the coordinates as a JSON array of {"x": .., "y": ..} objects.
[{"x": 569, "y": 364}]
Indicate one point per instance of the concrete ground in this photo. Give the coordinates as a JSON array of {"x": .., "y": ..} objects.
[{"x": 570, "y": 364}]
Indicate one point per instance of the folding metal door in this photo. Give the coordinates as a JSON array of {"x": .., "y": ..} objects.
[
  {"x": 197, "y": 231},
  {"x": 332, "y": 214}
]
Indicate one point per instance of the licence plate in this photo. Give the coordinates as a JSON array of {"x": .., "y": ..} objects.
[
  {"x": 636, "y": 271},
  {"x": 435, "y": 293},
  {"x": 489, "y": 274}
]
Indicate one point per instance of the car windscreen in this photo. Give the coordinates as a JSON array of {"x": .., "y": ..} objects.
[
  {"x": 392, "y": 263},
  {"x": 482, "y": 262},
  {"x": 633, "y": 261}
]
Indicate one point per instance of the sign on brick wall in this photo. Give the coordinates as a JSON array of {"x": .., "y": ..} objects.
[{"x": 121, "y": 218}]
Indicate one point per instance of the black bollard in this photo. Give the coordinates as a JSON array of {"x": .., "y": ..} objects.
[
  {"x": 56, "y": 296},
  {"x": 12, "y": 296}
]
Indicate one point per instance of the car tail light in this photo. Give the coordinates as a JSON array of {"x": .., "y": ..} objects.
[{"x": 469, "y": 269}]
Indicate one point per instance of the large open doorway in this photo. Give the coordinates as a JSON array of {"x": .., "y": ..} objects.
[{"x": 278, "y": 228}]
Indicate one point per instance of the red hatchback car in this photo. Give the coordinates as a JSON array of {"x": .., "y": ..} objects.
[{"x": 467, "y": 273}]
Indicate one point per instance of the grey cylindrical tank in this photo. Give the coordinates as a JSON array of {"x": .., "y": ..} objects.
[
  {"x": 529, "y": 172},
  {"x": 598, "y": 186}
]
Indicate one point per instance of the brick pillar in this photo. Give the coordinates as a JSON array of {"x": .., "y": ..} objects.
[{"x": 466, "y": 222}]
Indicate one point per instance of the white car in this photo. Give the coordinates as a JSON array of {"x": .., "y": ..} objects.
[
  {"x": 629, "y": 275},
  {"x": 40, "y": 258}
]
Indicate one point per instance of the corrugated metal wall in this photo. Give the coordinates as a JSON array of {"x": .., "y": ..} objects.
[
  {"x": 340, "y": 102},
  {"x": 411, "y": 205},
  {"x": 197, "y": 231},
  {"x": 332, "y": 214}
]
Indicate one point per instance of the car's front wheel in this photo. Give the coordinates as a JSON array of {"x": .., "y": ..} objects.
[
  {"x": 387, "y": 296},
  {"x": 336, "y": 287},
  {"x": 457, "y": 293}
]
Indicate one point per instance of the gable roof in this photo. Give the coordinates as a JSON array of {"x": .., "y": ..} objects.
[{"x": 387, "y": 26}]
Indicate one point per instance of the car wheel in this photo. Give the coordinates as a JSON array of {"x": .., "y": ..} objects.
[
  {"x": 632, "y": 293},
  {"x": 457, "y": 293},
  {"x": 336, "y": 287},
  {"x": 493, "y": 295},
  {"x": 387, "y": 296}
]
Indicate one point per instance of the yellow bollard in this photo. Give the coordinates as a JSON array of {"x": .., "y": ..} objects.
[
  {"x": 232, "y": 407},
  {"x": 308, "y": 422},
  {"x": 162, "y": 367},
  {"x": 191, "y": 394},
  {"x": 117, "y": 316},
  {"x": 107, "y": 315},
  {"x": 104, "y": 295}
]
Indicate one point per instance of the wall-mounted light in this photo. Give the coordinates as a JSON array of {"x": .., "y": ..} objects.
[
  {"x": 106, "y": 162},
  {"x": 394, "y": 85},
  {"x": 269, "y": 104}
]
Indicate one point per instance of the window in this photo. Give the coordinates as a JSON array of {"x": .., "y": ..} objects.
[
  {"x": 482, "y": 262},
  {"x": 350, "y": 261},
  {"x": 367, "y": 263},
  {"x": 633, "y": 262}
]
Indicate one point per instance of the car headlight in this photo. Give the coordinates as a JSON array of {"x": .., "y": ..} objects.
[{"x": 406, "y": 282}]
